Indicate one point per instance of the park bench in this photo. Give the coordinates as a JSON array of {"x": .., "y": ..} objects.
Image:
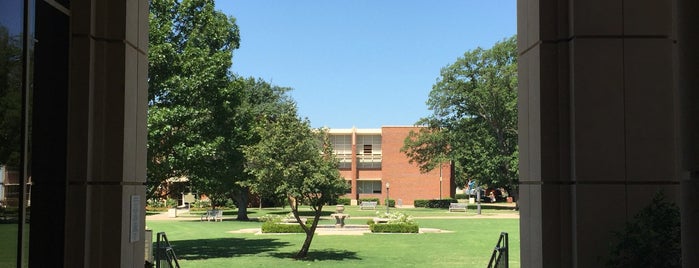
[
  {"x": 368, "y": 205},
  {"x": 457, "y": 206},
  {"x": 293, "y": 220},
  {"x": 214, "y": 214},
  {"x": 380, "y": 220}
]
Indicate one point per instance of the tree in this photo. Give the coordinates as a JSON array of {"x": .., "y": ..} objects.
[
  {"x": 190, "y": 52},
  {"x": 474, "y": 118},
  {"x": 293, "y": 159},
  {"x": 10, "y": 98},
  {"x": 235, "y": 112}
]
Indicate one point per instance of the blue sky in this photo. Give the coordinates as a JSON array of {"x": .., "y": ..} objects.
[{"x": 362, "y": 63}]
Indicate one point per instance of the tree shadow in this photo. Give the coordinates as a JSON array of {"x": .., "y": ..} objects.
[
  {"x": 490, "y": 206},
  {"x": 198, "y": 249},
  {"x": 321, "y": 255},
  {"x": 304, "y": 213}
]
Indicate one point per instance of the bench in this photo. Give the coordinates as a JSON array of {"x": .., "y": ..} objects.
[
  {"x": 368, "y": 205},
  {"x": 380, "y": 220},
  {"x": 215, "y": 214},
  {"x": 457, "y": 206},
  {"x": 293, "y": 220}
]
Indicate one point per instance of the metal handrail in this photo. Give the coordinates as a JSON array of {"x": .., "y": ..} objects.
[
  {"x": 499, "y": 258},
  {"x": 164, "y": 252}
]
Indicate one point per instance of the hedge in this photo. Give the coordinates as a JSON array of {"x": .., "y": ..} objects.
[
  {"x": 343, "y": 201},
  {"x": 461, "y": 196},
  {"x": 370, "y": 199},
  {"x": 275, "y": 227},
  {"x": 434, "y": 203},
  {"x": 394, "y": 228}
]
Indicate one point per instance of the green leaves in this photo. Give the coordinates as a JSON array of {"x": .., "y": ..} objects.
[
  {"x": 190, "y": 50},
  {"x": 474, "y": 119},
  {"x": 290, "y": 160}
]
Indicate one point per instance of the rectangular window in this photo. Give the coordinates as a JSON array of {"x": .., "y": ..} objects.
[
  {"x": 369, "y": 151},
  {"x": 342, "y": 148},
  {"x": 369, "y": 187}
]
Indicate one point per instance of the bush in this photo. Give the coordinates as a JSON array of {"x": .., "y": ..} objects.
[
  {"x": 343, "y": 201},
  {"x": 652, "y": 239},
  {"x": 434, "y": 203},
  {"x": 394, "y": 228},
  {"x": 370, "y": 199},
  {"x": 277, "y": 227},
  {"x": 461, "y": 196},
  {"x": 201, "y": 204},
  {"x": 391, "y": 203}
]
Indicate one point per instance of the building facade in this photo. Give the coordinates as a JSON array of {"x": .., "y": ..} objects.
[{"x": 371, "y": 158}]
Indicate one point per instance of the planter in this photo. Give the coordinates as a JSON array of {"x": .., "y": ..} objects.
[{"x": 340, "y": 208}]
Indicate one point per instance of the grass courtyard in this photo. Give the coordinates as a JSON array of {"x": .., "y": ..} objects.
[{"x": 468, "y": 244}]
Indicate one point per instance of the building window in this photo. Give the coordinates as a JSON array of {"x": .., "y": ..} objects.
[
  {"x": 342, "y": 148},
  {"x": 369, "y": 187},
  {"x": 369, "y": 151}
]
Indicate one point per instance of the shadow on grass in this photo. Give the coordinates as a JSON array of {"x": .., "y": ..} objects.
[
  {"x": 304, "y": 213},
  {"x": 320, "y": 255},
  {"x": 491, "y": 206},
  {"x": 199, "y": 249}
]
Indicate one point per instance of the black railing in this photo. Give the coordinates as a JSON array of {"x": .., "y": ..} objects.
[
  {"x": 499, "y": 258},
  {"x": 164, "y": 254}
]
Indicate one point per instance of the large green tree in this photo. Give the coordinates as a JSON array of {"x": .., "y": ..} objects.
[
  {"x": 235, "y": 113},
  {"x": 190, "y": 52},
  {"x": 474, "y": 118},
  {"x": 10, "y": 98},
  {"x": 295, "y": 160}
]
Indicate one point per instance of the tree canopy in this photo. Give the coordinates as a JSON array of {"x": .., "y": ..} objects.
[
  {"x": 474, "y": 118},
  {"x": 190, "y": 52},
  {"x": 200, "y": 114},
  {"x": 296, "y": 161}
]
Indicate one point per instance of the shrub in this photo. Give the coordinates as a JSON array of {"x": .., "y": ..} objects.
[
  {"x": 461, "y": 196},
  {"x": 343, "y": 201},
  {"x": 651, "y": 239},
  {"x": 396, "y": 217},
  {"x": 434, "y": 203},
  {"x": 394, "y": 228},
  {"x": 271, "y": 227},
  {"x": 370, "y": 199},
  {"x": 201, "y": 204},
  {"x": 278, "y": 227},
  {"x": 391, "y": 203}
]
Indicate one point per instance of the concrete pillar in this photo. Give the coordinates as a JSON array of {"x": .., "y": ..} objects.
[
  {"x": 598, "y": 135},
  {"x": 688, "y": 62},
  {"x": 106, "y": 164}
]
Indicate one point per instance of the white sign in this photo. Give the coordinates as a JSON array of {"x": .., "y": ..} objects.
[{"x": 135, "y": 218}]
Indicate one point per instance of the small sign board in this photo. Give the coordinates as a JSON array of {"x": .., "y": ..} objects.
[
  {"x": 188, "y": 198},
  {"x": 135, "y": 218}
]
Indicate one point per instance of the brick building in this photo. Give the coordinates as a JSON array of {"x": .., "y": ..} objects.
[{"x": 371, "y": 158}]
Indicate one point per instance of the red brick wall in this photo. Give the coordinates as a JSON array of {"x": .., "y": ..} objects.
[{"x": 406, "y": 181}]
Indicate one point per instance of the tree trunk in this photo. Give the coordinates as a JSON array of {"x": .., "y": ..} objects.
[
  {"x": 242, "y": 199},
  {"x": 303, "y": 253}
]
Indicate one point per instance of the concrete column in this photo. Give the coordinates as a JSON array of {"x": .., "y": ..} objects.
[
  {"x": 597, "y": 123},
  {"x": 106, "y": 167},
  {"x": 688, "y": 63}
]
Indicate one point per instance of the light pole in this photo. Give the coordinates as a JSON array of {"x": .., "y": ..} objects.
[
  {"x": 387, "y": 187},
  {"x": 440, "y": 181}
]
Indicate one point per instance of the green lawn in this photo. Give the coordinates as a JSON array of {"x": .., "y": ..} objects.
[
  {"x": 354, "y": 211},
  {"x": 207, "y": 244}
]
